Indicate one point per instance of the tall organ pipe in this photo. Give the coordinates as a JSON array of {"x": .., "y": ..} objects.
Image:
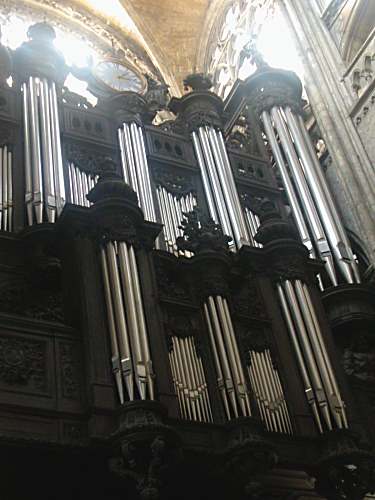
[
  {"x": 323, "y": 199},
  {"x": 290, "y": 192},
  {"x": 126, "y": 321},
  {"x": 135, "y": 167},
  {"x": 44, "y": 177},
  {"x": 305, "y": 196}
]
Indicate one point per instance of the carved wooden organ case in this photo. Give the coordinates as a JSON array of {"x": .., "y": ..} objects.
[{"x": 169, "y": 292}]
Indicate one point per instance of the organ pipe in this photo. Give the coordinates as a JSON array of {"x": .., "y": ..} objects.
[
  {"x": 313, "y": 207},
  {"x": 172, "y": 208},
  {"x": 131, "y": 359},
  {"x": 135, "y": 167},
  {"x": 44, "y": 177},
  {"x": 80, "y": 184},
  {"x": 6, "y": 189},
  {"x": 268, "y": 391},
  {"x": 230, "y": 375},
  {"x": 219, "y": 185},
  {"x": 320, "y": 383}
]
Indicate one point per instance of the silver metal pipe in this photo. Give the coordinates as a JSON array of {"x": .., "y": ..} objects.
[
  {"x": 300, "y": 359},
  {"x": 194, "y": 383},
  {"x": 230, "y": 350},
  {"x": 112, "y": 329},
  {"x": 330, "y": 217},
  {"x": 204, "y": 382},
  {"x": 289, "y": 189},
  {"x": 58, "y": 163},
  {"x": 258, "y": 398},
  {"x": 4, "y": 181},
  {"x": 193, "y": 393},
  {"x": 79, "y": 187},
  {"x": 130, "y": 155},
  {"x": 172, "y": 211},
  {"x": 27, "y": 154},
  {"x": 46, "y": 150},
  {"x": 130, "y": 307},
  {"x": 266, "y": 391},
  {"x": 185, "y": 383},
  {"x": 175, "y": 383},
  {"x": 218, "y": 195},
  {"x": 201, "y": 382},
  {"x": 139, "y": 169},
  {"x": 143, "y": 156},
  {"x": 224, "y": 185},
  {"x": 321, "y": 360},
  {"x": 236, "y": 354},
  {"x": 141, "y": 322},
  {"x": 261, "y": 389},
  {"x": 276, "y": 401},
  {"x": 205, "y": 179},
  {"x": 75, "y": 184},
  {"x": 309, "y": 356},
  {"x": 10, "y": 192},
  {"x": 36, "y": 163},
  {"x": 305, "y": 196},
  {"x": 1, "y": 190},
  {"x": 228, "y": 380},
  {"x": 219, "y": 372},
  {"x": 160, "y": 199},
  {"x": 121, "y": 327},
  {"x": 180, "y": 384},
  {"x": 319, "y": 337},
  {"x": 124, "y": 163},
  {"x": 281, "y": 395},
  {"x": 232, "y": 184}
]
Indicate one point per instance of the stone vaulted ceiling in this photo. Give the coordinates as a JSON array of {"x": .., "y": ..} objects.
[{"x": 172, "y": 31}]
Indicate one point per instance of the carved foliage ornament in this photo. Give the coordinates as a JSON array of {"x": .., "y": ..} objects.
[
  {"x": 201, "y": 233},
  {"x": 23, "y": 362},
  {"x": 176, "y": 183},
  {"x": 85, "y": 159}
]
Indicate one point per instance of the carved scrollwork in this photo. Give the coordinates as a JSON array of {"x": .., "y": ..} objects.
[
  {"x": 176, "y": 183},
  {"x": 248, "y": 303},
  {"x": 201, "y": 233},
  {"x": 85, "y": 159},
  {"x": 242, "y": 138},
  {"x": 170, "y": 285},
  {"x": 23, "y": 362},
  {"x": 69, "y": 370}
]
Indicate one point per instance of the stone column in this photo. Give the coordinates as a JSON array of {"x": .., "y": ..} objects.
[{"x": 352, "y": 176}]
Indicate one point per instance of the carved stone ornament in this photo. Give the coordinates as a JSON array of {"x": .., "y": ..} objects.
[
  {"x": 26, "y": 301},
  {"x": 358, "y": 358},
  {"x": 248, "y": 456},
  {"x": 201, "y": 233},
  {"x": 85, "y": 159},
  {"x": 69, "y": 365},
  {"x": 170, "y": 284},
  {"x": 249, "y": 303},
  {"x": 269, "y": 87},
  {"x": 23, "y": 363},
  {"x": 149, "y": 448},
  {"x": 39, "y": 56},
  {"x": 242, "y": 138},
  {"x": 346, "y": 470},
  {"x": 198, "y": 108},
  {"x": 176, "y": 183}
]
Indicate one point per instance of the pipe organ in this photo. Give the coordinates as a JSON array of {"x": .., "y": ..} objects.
[
  {"x": 177, "y": 306},
  {"x": 134, "y": 166},
  {"x": 44, "y": 178},
  {"x": 6, "y": 189},
  {"x": 131, "y": 361},
  {"x": 80, "y": 184}
]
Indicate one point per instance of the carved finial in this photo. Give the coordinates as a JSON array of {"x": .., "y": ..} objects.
[
  {"x": 250, "y": 50},
  {"x": 111, "y": 184},
  {"x": 41, "y": 31},
  {"x": 201, "y": 233},
  {"x": 197, "y": 81}
]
